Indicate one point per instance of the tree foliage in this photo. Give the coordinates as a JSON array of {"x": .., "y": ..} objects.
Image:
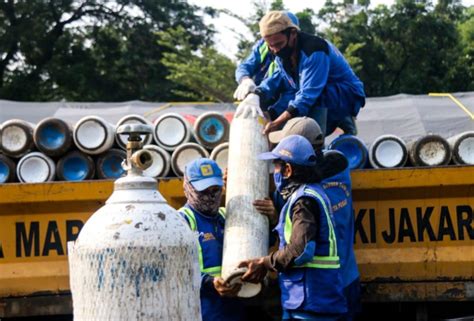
[
  {"x": 410, "y": 47},
  {"x": 161, "y": 50},
  {"x": 91, "y": 49},
  {"x": 202, "y": 73}
]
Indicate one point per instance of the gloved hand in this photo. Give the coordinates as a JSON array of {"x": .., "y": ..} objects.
[
  {"x": 247, "y": 85},
  {"x": 249, "y": 107}
]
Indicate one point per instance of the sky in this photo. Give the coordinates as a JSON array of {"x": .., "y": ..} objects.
[{"x": 227, "y": 39}]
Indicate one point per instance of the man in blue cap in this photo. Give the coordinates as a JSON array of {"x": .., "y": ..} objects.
[
  {"x": 203, "y": 189},
  {"x": 307, "y": 258},
  {"x": 258, "y": 65}
]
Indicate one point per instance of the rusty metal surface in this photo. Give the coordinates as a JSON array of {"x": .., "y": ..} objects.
[
  {"x": 54, "y": 304},
  {"x": 418, "y": 291}
]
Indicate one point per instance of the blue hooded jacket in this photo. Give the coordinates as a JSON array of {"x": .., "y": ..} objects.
[{"x": 323, "y": 79}]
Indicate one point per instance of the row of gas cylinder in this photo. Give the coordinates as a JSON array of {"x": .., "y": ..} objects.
[
  {"x": 55, "y": 150},
  {"x": 390, "y": 151}
]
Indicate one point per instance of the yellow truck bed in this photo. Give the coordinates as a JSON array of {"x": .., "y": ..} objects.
[{"x": 414, "y": 236}]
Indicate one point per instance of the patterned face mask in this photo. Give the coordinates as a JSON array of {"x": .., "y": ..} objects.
[{"x": 206, "y": 202}]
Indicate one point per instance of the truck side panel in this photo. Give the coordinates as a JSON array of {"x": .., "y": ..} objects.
[{"x": 414, "y": 234}]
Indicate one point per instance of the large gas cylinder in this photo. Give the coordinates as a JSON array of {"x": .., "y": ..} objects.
[
  {"x": 7, "y": 169},
  {"x": 388, "y": 151},
  {"x": 109, "y": 164},
  {"x": 53, "y": 136},
  {"x": 184, "y": 154},
  {"x": 462, "y": 146},
  {"x": 171, "y": 130},
  {"x": 246, "y": 230},
  {"x": 17, "y": 138},
  {"x": 353, "y": 148},
  {"x": 75, "y": 166},
  {"x": 135, "y": 258},
  {"x": 36, "y": 167},
  {"x": 132, "y": 119},
  {"x": 161, "y": 164},
  {"x": 220, "y": 155},
  {"x": 211, "y": 129},
  {"x": 429, "y": 150},
  {"x": 93, "y": 135}
]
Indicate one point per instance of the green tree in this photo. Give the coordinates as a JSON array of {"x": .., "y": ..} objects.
[
  {"x": 410, "y": 47},
  {"x": 462, "y": 77},
  {"x": 91, "y": 49},
  {"x": 306, "y": 18},
  {"x": 202, "y": 73}
]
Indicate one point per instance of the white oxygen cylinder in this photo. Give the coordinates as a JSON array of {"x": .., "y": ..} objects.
[
  {"x": 246, "y": 230},
  {"x": 220, "y": 155},
  {"x": 388, "y": 151},
  {"x": 429, "y": 150},
  {"x": 36, "y": 167},
  {"x": 462, "y": 146},
  {"x": 132, "y": 119},
  {"x": 171, "y": 130},
  {"x": 17, "y": 137},
  {"x": 185, "y": 154},
  {"x": 161, "y": 163},
  {"x": 135, "y": 258},
  {"x": 93, "y": 135}
]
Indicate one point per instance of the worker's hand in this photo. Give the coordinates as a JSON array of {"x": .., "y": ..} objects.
[
  {"x": 246, "y": 86},
  {"x": 277, "y": 123},
  {"x": 256, "y": 270},
  {"x": 271, "y": 126},
  {"x": 266, "y": 207},
  {"x": 225, "y": 289},
  {"x": 224, "y": 180}
]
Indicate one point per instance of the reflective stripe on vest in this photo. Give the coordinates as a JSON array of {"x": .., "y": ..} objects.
[
  {"x": 322, "y": 262},
  {"x": 213, "y": 270},
  {"x": 263, "y": 50},
  {"x": 271, "y": 69}
]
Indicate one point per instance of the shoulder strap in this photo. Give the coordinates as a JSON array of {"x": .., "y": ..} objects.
[{"x": 190, "y": 216}]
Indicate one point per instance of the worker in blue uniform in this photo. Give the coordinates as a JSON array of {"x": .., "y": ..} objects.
[
  {"x": 203, "y": 189},
  {"x": 336, "y": 182},
  {"x": 307, "y": 259},
  {"x": 321, "y": 78},
  {"x": 258, "y": 65}
]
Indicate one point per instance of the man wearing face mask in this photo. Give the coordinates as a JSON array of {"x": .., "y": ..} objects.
[
  {"x": 258, "y": 65},
  {"x": 336, "y": 182},
  {"x": 203, "y": 189},
  {"x": 307, "y": 258},
  {"x": 323, "y": 81}
]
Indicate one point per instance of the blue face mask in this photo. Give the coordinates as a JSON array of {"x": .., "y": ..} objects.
[{"x": 280, "y": 181}]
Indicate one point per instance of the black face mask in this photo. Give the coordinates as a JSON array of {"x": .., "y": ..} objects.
[{"x": 285, "y": 52}]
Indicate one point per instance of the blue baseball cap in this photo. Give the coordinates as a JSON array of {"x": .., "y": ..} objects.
[
  {"x": 293, "y": 149},
  {"x": 203, "y": 173},
  {"x": 293, "y": 18}
]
